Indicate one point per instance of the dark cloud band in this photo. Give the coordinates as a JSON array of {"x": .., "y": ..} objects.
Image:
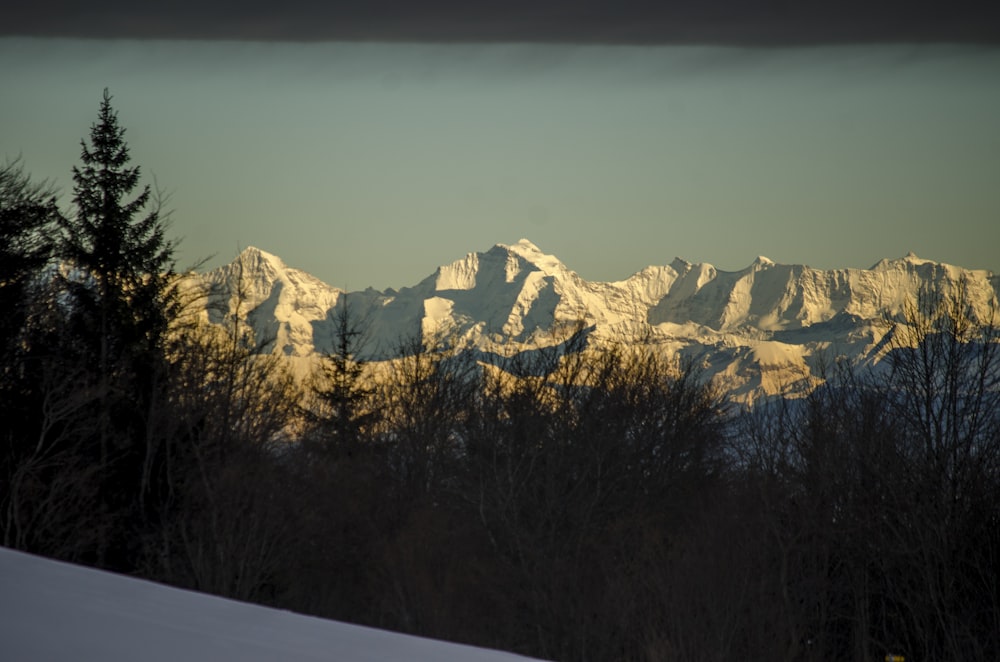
[{"x": 751, "y": 22}]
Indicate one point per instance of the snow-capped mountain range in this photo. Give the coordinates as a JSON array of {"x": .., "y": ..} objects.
[{"x": 762, "y": 329}]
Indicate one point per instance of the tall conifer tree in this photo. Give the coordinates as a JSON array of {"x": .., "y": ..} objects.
[
  {"x": 121, "y": 277},
  {"x": 119, "y": 245}
]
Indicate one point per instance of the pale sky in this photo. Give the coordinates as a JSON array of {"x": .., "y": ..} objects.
[{"x": 369, "y": 164}]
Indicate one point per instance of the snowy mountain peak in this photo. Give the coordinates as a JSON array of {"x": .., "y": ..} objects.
[
  {"x": 518, "y": 296},
  {"x": 526, "y": 245},
  {"x": 252, "y": 258},
  {"x": 503, "y": 263},
  {"x": 278, "y": 302},
  {"x": 529, "y": 252},
  {"x": 907, "y": 261},
  {"x": 911, "y": 258}
]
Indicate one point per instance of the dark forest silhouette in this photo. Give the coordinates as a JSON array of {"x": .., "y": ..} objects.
[{"x": 593, "y": 505}]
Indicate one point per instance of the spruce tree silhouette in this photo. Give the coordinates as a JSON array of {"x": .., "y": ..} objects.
[{"x": 121, "y": 277}]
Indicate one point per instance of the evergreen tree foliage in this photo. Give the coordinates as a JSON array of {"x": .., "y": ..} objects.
[
  {"x": 120, "y": 281},
  {"x": 28, "y": 215},
  {"x": 118, "y": 245},
  {"x": 341, "y": 412}
]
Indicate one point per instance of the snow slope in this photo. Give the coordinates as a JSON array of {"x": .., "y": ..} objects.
[
  {"x": 518, "y": 296},
  {"x": 56, "y": 611}
]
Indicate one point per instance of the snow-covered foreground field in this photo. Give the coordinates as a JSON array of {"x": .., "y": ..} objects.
[{"x": 57, "y": 611}]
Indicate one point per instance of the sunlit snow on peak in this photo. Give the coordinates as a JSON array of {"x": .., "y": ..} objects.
[
  {"x": 549, "y": 264},
  {"x": 517, "y": 295}
]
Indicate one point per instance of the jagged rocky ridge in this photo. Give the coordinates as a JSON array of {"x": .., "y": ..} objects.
[{"x": 761, "y": 330}]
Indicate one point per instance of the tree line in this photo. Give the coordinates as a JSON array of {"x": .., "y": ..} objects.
[{"x": 570, "y": 503}]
